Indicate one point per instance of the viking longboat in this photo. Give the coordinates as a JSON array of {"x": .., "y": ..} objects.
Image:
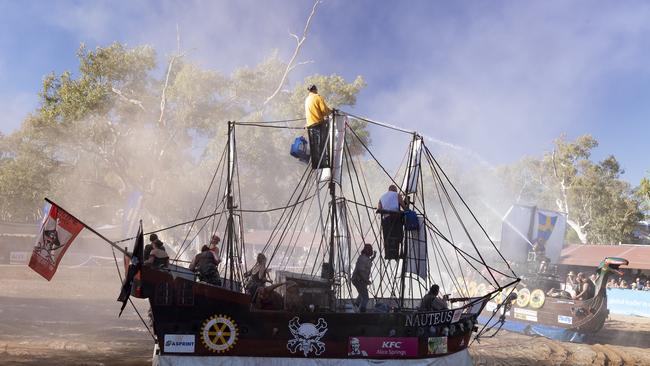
[
  {"x": 328, "y": 213},
  {"x": 527, "y": 308}
]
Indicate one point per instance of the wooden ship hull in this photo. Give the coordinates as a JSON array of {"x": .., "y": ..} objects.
[
  {"x": 532, "y": 312},
  {"x": 555, "y": 316},
  {"x": 197, "y": 319}
]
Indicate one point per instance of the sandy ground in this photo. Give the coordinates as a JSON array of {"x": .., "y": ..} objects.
[{"x": 72, "y": 320}]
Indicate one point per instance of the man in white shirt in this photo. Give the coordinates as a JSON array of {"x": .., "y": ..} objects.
[
  {"x": 390, "y": 205},
  {"x": 391, "y": 200}
]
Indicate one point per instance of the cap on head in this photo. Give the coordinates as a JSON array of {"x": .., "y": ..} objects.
[
  {"x": 153, "y": 237},
  {"x": 312, "y": 88}
]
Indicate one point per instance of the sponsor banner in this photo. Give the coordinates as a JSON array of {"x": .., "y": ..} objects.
[
  {"x": 179, "y": 343},
  {"x": 18, "y": 257},
  {"x": 58, "y": 231},
  {"x": 563, "y": 319},
  {"x": 380, "y": 347},
  {"x": 525, "y": 314},
  {"x": 628, "y": 302},
  {"x": 437, "y": 345}
]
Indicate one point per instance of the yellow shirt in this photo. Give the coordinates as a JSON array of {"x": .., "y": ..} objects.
[{"x": 315, "y": 109}]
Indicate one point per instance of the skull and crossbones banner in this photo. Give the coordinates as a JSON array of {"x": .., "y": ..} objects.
[{"x": 58, "y": 230}]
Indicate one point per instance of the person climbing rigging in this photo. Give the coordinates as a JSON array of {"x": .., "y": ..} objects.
[
  {"x": 389, "y": 206},
  {"x": 316, "y": 112},
  {"x": 361, "y": 276}
]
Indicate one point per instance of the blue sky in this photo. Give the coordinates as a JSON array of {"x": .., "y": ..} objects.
[{"x": 500, "y": 79}]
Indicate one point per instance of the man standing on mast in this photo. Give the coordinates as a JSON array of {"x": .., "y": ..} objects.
[
  {"x": 316, "y": 112},
  {"x": 389, "y": 207}
]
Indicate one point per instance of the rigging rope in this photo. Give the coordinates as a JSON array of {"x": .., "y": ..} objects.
[{"x": 382, "y": 124}]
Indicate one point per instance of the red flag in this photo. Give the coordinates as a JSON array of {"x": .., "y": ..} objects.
[{"x": 58, "y": 231}]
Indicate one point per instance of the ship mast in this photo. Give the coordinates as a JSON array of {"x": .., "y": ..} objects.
[
  {"x": 230, "y": 231},
  {"x": 332, "y": 189}
]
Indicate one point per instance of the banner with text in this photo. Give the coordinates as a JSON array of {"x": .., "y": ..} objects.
[
  {"x": 628, "y": 302},
  {"x": 383, "y": 347}
]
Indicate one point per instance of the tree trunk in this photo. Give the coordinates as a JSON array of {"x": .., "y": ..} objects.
[{"x": 579, "y": 230}]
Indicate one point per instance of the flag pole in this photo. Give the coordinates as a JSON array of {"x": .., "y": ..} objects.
[{"x": 91, "y": 229}]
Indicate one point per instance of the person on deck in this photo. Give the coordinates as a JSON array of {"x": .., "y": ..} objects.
[
  {"x": 571, "y": 285},
  {"x": 431, "y": 301},
  {"x": 587, "y": 288},
  {"x": 153, "y": 238},
  {"x": 269, "y": 299},
  {"x": 390, "y": 205},
  {"x": 214, "y": 248},
  {"x": 316, "y": 112},
  {"x": 257, "y": 276},
  {"x": 158, "y": 257},
  {"x": 206, "y": 266},
  {"x": 361, "y": 276},
  {"x": 539, "y": 248}
]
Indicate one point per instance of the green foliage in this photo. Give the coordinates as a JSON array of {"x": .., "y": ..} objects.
[
  {"x": 643, "y": 194},
  {"x": 101, "y": 133},
  {"x": 601, "y": 208}
]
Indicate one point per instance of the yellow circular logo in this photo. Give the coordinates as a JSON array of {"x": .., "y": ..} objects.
[{"x": 219, "y": 333}]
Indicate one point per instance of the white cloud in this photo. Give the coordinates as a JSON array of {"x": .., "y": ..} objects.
[{"x": 514, "y": 78}]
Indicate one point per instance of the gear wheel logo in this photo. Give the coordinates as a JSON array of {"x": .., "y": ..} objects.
[{"x": 219, "y": 333}]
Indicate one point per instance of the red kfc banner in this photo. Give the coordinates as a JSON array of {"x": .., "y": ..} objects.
[
  {"x": 58, "y": 230},
  {"x": 383, "y": 347}
]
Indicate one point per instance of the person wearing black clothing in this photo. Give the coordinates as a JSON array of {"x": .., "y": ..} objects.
[
  {"x": 431, "y": 301},
  {"x": 258, "y": 276},
  {"x": 206, "y": 266},
  {"x": 153, "y": 238},
  {"x": 158, "y": 257}
]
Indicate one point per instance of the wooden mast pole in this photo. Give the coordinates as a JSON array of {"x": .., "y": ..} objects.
[
  {"x": 334, "y": 221},
  {"x": 229, "y": 203}
]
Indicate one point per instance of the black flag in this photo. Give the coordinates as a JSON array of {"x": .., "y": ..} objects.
[{"x": 134, "y": 268}]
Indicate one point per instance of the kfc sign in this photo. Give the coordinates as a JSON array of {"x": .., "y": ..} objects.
[{"x": 380, "y": 347}]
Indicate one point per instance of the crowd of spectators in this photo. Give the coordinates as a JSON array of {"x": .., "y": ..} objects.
[{"x": 638, "y": 284}]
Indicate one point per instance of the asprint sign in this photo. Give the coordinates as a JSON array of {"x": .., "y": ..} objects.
[{"x": 179, "y": 343}]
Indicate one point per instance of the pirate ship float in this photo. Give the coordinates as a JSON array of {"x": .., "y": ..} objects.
[
  {"x": 542, "y": 303},
  {"x": 331, "y": 212}
]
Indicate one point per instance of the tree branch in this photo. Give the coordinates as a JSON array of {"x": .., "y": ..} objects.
[
  {"x": 299, "y": 42},
  {"x": 163, "y": 97},
  {"x": 128, "y": 100}
]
